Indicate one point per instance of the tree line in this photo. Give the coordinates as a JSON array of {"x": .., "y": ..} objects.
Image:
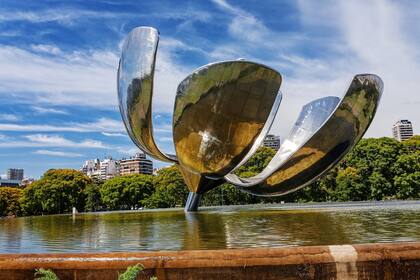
[{"x": 376, "y": 169}]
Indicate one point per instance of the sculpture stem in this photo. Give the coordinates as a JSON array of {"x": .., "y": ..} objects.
[{"x": 193, "y": 202}]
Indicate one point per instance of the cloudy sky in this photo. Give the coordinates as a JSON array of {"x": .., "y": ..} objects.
[{"x": 58, "y": 62}]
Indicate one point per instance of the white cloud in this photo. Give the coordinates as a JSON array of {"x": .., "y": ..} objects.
[
  {"x": 114, "y": 134},
  {"x": 101, "y": 125},
  {"x": 63, "y": 16},
  {"x": 129, "y": 151},
  {"x": 244, "y": 25},
  {"x": 181, "y": 14},
  {"x": 79, "y": 78},
  {"x": 10, "y": 33},
  {"x": 44, "y": 48},
  {"x": 44, "y": 140},
  {"x": 76, "y": 78},
  {"x": 43, "y": 110},
  {"x": 47, "y": 139},
  {"x": 58, "y": 141},
  {"x": 302, "y": 76},
  {"x": 67, "y": 16},
  {"x": 347, "y": 38},
  {"x": 9, "y": 117},
  {"x": 57, "y": 153},
  {"x": 370, "y": 37},
  {"x": 170, "y": 44},
  {"x": 253, "y": 35},
  {"x": 229, "y": 51}
]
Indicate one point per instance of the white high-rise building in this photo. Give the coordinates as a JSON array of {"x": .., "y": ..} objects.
[
  {"x": 92, "y": 168},
  {"x": 272, "y": 141},
  {"x": 402, "y": 130},
  {"x": 109, "y": 168}
]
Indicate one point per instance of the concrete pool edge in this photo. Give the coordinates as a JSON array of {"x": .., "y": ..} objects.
[{"x": 361, "y": 261}]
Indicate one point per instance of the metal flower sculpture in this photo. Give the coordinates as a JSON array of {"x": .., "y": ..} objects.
[{"x": 224, "y": 110}]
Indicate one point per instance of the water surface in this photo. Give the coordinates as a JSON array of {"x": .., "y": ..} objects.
[{"x": 214, "y": 228}]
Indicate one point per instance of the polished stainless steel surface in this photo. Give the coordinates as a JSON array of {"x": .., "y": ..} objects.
[
  {"x": 224, "y": 110},
  {"x": 310, "y": 119},
  {"x": 319, "y": 139},
  {"x": 267, "y": 126},
  {"x": 193, "y": 201},
  {"x": 135, "y": 89},
  {"x": 220, "y": 110}
]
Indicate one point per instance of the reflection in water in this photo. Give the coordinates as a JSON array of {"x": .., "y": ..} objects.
[
  {"x": 205, "y": 231},
  {"x": 213, "y": 228}
]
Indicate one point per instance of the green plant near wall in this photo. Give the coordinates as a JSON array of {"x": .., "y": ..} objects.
[
  {"x": 130, "y": 274},
  {"x": 45, "y": 274}
]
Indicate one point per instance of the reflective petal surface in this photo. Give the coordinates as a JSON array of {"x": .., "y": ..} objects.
[
  {"x": 224, "y": 110},
  {"x": 318, "y": 140},
  {"x": 220, "y": 110},
  {"x": 135, "y": 89}
]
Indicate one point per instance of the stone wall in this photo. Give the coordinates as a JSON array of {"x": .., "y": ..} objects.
[{"x": 369, "y": 261}]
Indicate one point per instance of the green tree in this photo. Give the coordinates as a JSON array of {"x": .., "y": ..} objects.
[
  {"x": 93, "y": 200},
  {"x": 374, "y": 155},
  {"x": 126, "y": 192},
  {"x": 9, "y": 201},
  {"x": 380, "y": 187},
  {"x": 350, "y": 186},
  {"x": 407, "y": 175},
  {"x": 56, "y": 192},
  {"x": 377, "y": 169},
  {"x": 407, "y": 163},
  {"x": 408, "y": 186},
  {"x": 373, "y": 161},
  {"x": 170, "y": 189},
  {"x": 412, "y": 144}
]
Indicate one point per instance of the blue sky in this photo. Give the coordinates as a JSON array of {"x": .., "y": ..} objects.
[{"x": 58, "y": 62}]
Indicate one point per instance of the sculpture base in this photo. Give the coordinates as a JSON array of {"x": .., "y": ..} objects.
[{"x": 193, "y": 202}]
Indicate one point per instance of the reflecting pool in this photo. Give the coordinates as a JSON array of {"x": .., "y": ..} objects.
[{"x": 214, "y": 228}]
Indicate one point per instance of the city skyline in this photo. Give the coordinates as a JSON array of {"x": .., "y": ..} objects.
[
  {"x": 58, "y": 102},
  {"x": 109, "y": 168}
]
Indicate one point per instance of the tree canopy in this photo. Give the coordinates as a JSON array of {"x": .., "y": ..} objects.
[
  {"x": 58, "y": 191},
  {"x": 126, "y": 192},
  {"x": 170, "y": 189},
  {"x": 376, "y": 169},
  {"x": 9, "y": 201}
]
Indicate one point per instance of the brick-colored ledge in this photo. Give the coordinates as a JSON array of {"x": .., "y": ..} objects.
[{"x": 365, "y": 261}]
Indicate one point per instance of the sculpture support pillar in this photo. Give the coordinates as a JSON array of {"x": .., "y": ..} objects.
[{"x": 193, "y": 202}]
